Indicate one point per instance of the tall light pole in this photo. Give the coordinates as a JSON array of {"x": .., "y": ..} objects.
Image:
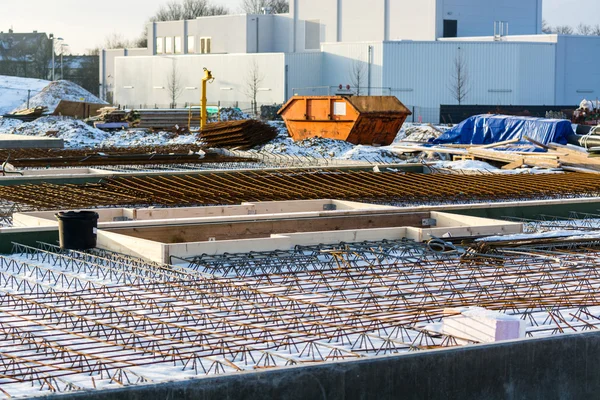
[{"x": 53, "y": 65}]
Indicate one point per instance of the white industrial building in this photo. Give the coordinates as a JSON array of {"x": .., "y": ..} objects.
[{"x": 406, "y": 48}]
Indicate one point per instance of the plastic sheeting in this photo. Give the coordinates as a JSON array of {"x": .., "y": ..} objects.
[{"x": 488, "y": 129}]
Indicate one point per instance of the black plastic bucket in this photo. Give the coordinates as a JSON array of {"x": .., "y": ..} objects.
[{"x": 77, "y": 230}]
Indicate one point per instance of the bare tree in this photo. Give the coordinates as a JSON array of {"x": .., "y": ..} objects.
[
  {"x": 116, "y": 41},
  {"x": 459, "y": 87},
  {"x": 563, "y": 30},
  {"x": 253, "y": 81},
  {"x": 546, "y": 28},
  {"x": 187, "y": 9},
  {"x": 174, "y": 85},
  {"x": 176, "y": 10},
  {"x": 358, "y": 72},
  {"x": 583, "y": 29},
  {"x": 256, "y": 6}
]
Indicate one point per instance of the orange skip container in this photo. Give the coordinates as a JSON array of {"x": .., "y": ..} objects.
[{"x": 368, "y": 120}]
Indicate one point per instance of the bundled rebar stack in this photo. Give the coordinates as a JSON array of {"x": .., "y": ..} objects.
[{"x": 243, "y": 134}]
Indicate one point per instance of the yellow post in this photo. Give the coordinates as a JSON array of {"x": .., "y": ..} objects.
[{"x": 203, "y": 115}]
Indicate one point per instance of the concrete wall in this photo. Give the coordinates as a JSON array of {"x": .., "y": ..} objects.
[
  {"x": 107, "y": 71},
  {"x": 357, "y": 21},
  {"x": 229, "y": 33},
  {"x": 412, "y": 20},
  {"x": 558, "y": 367}
]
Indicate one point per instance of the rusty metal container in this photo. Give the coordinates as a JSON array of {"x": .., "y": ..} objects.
[{"x": 369, "y": 120}]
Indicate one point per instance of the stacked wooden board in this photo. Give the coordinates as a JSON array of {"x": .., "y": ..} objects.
[{"x": 551, "y": 156}]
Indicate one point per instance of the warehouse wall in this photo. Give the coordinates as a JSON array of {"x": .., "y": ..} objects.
[
  {"x": 477, "y": 17},
  {"x": 143, "y": 81},
  {"x": 107, "y": 72},
  {"x": 233, "y": 39},
  {"x": 412, "y": 20},
  {"x": 304, "y": 74},
  {"x": 342, "y": 61},
  {"x": 499, "y": 73},
  {"x": 578, "y": 76},
  {"x": 357, "y": 21}
]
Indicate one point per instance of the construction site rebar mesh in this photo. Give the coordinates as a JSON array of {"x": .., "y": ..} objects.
[
  {"x": 235, "y": 187},
  {"x": 83, "y": 320}
]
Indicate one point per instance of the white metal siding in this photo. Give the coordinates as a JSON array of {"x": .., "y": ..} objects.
[
  {"x": 577, "y": 75},
  {"x": 304, "y": 74},
  {"x": 144, "y": 80},
  {"x": 420, "y": 73},
  {"x": 338, "y": 60}
]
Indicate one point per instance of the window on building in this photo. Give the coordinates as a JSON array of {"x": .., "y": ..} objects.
[
  {"x": 312, "y": 34},
  {"x": 191, "y": 44},
  {"x": 450, "y": 28},
  {"x": 169, "y": 45},
  {"x": 178, "y": 45},
  {"x": 205, "y": 45},
  {"x": 160, "y": 45}
]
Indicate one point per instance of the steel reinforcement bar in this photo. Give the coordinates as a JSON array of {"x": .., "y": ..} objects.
[
  {"x": 238, "y": 186},
  {"x": 74, "y": 320}
]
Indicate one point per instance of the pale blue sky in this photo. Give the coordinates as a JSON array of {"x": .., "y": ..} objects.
[{"x": 84, "y": 23}]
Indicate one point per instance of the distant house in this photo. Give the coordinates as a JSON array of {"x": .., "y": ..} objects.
[
  {"x": 26, "y": 55},
  {"x": 82, "y": 70}
]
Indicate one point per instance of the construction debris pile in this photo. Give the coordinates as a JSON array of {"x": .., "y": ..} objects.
[
  {"x": 512, "y": 143},
  {"x": 29, "y": 114},
  {"x": 172, "y": 120}
]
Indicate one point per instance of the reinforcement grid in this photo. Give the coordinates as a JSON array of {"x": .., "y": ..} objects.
[
  {"x": 71, "y": 320},
  {"x": 238, "y": 186}
]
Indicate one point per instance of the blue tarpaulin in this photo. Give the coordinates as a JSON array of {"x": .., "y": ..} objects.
[{"x": 488, "y": 129}]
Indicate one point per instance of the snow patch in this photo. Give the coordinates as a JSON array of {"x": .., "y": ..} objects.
[
  {"x": 56, "y": 91},
  {"x": 14, "y": 91}
]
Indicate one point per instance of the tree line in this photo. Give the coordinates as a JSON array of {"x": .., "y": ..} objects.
[
  {"x": 177, "y": 10},
  {"x": 581, "y": 29}
]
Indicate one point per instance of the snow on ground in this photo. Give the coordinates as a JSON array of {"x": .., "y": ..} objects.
[
  {"x": 14, "y": 91},
  {"x": 77, "y": 134},
  {"x": 559, "y": 234},
  {"x": 419, "y": 132},
  {"x": 326, "y": 148},
  {"x": 482, "y": 166},
  {"x": 53, "y": 93}
]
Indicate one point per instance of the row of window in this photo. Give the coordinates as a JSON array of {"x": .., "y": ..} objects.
[{"x": 173, "y": 45}]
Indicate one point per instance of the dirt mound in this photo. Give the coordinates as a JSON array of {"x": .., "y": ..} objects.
[{"x": 56, "y": 91}]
